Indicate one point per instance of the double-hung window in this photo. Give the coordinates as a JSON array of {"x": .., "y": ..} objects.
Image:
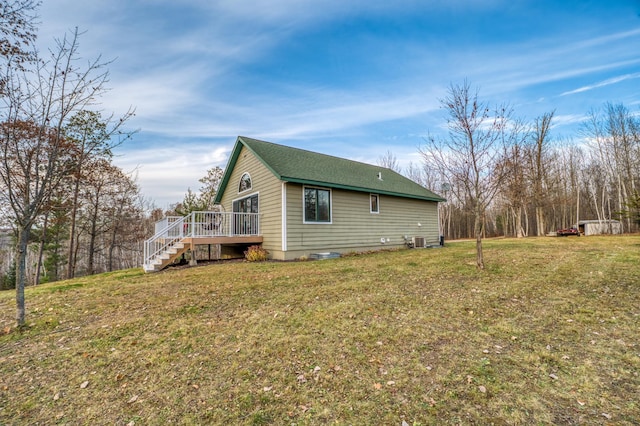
[{"x": 317, "y": 205}]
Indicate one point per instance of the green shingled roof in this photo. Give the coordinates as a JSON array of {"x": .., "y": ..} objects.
[{"x": 312, "y": 168}]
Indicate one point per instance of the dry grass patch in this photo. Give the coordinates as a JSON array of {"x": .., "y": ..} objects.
[{"x": 548, "y": 334}]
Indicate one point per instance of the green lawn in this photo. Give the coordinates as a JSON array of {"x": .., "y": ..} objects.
[{"x": 547, "y": 334}]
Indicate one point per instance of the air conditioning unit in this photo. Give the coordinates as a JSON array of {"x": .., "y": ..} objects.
[{"x": 418, "y": 242}]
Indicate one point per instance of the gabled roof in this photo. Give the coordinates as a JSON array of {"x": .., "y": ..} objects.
[{"x": 311, "y": 168}]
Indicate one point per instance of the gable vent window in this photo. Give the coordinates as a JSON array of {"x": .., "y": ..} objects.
[{"x": 245, "y": 183}]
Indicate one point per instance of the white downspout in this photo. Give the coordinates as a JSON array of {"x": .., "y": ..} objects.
[
  {"x": 283, "y": 209},
  {"x": 440, "y": 224}
]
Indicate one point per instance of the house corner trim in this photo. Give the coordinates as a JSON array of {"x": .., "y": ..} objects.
[{"x": 283, "y": 209}]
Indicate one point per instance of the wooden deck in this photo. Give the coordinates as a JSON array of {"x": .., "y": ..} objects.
[
  {"x": 176, "y": 235},
  {"x": 224, "y": 240}
]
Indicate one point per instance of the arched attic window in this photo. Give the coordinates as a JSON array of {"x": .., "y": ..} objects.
[{"x": 245, "y": 182}]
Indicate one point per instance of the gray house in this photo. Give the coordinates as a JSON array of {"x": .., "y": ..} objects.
[{"x": 298, "y": 203}]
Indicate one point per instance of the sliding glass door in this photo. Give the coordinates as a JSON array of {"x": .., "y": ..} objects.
[{"x": 244, "y": 224}]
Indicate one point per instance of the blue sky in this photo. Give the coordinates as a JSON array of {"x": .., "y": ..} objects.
[{"x": 349, "y": 78}]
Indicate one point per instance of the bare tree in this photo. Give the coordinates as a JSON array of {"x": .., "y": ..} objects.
[
  {"x": 210, "y": 184},
  {"x": 35, "y": 156},
  {"x": 614, "y": 138},
  {"x": 126, "y": 223},
  {"x": 99, "y": 185},
  {"x": 34, "y": 161},
  {"x": 514, "y": 192},
  {"x": 415, "y": 173},
  {"x": 94, "y": 138},
  {"x": 471, "y": 154},
  {"x": 202, "y": 200},
  {"x": 389, "y": 161},
  {"x": 17, "y": 36},
  {"x": 631, "y": 209},
  {"x": 538, "y": 153},
  {"x": 550, "y": 185},
  {"x": 564, "y": 166},
  {"x": 17, "y": 33}
]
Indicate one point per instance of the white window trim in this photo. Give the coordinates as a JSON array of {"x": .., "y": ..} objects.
[
  {"x": 240, "y": 181},
  {"x": 378, "y": 203},
  {"x": 304, "y": 221}
]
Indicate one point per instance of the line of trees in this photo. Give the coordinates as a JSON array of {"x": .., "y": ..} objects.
[
  {"x": 504, "y": 177},
  {"x": 65, "y": 209},
  {"x": 69, "y": 209}
]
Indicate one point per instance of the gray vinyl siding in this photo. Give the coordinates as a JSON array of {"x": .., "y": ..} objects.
[
  {"x": 354, "y": 227},
  {"x": 269, "y": 192}
]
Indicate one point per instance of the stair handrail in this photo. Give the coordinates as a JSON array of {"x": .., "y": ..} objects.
[
  {"x": 199, "y": 224},
  {"x": 152, "y": 247}
]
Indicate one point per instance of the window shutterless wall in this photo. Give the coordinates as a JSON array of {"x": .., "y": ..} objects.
[{"x": 353, "y": 226}]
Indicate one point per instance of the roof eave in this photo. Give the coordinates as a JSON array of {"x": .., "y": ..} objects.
[
  {"x": 233, "y": 158},
  {"x": 235, "y": 153},
  {"x": 360, "y": 189}
]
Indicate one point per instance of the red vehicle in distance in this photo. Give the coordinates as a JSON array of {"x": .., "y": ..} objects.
[{"x": 568, "y": 231}]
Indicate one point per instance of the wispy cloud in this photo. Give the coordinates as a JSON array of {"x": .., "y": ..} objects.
[
  {"x": 357, "y": 72},
  {"x": 310, "y": 113},
  {"x": 517, "y": 66},
  {"x": 607, "y": 82},
  {"x": 168, "y": 171},
  {"x": 567, "y": 119},
  {"x": 607, "y": 39}
]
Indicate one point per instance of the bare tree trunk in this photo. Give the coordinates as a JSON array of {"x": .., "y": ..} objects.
[
  {"x": 542, "y": 126},
  {"x": 112, "y": 246},
  {"x": 75, "y": 255},
  {"x": 92, "y": 248},
  {"x": 479, "y": 254},
  {"x": 578, "y": 208},
  {"x": 540, "y": 221},
  {"x": 479, "y": 231},
  {"x": 21, "y": 268},
  {"x": 518, "y": 224},
  {"x": 43, "y": 240},
  {"x": 71, "y": 261}
]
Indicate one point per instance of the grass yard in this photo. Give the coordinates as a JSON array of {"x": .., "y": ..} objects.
[{"x": 547, "y": 334}]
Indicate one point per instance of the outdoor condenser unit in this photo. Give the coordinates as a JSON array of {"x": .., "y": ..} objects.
[{"x": 418, "y": 242}]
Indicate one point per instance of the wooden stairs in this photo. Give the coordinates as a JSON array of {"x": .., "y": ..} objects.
[
  {"x": 167, "y": 257},
  {"x": 175, "y": 235}
]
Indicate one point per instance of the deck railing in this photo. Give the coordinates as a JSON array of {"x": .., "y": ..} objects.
[
  {"x": 172, "y": 230},
  {"x": 165, "y": 222}
]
